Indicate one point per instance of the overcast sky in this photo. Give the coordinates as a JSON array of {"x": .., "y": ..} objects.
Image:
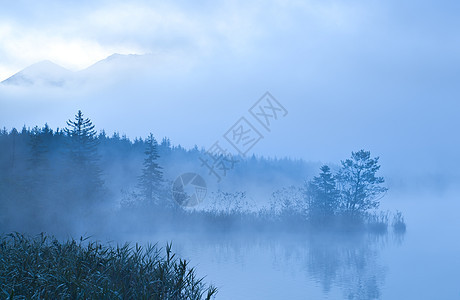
[
  {"x": 381, "y": 75},
  {"x": 76, "y": 34}
]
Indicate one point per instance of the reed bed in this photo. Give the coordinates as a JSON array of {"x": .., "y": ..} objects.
[{"x": 42, "y": 267}]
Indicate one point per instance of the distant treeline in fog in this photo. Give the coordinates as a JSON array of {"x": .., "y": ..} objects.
[{"x": 74, "y": 177}]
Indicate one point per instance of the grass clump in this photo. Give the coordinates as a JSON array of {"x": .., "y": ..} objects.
[
  {"x": 45, "y": 268},
  {"x": 399, "y": 225},
  {"x": 377, "y": 222}
]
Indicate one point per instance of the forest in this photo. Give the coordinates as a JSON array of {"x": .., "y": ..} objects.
[{"x": 76, "y": 178}]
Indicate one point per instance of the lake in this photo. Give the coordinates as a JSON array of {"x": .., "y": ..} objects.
[{"x": 423, "y": 263}]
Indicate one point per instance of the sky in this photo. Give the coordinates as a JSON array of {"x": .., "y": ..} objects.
[
  {"x": 76, "y": 34},
  {"x": 380, "y": 75}
]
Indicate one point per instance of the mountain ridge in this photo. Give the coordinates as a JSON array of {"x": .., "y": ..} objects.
[
  {"x": 48, "y": 73},
  {"x": 42, "y": 72}
]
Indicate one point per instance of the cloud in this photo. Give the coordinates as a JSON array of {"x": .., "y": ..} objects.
[{"x": 76, "y": 35}]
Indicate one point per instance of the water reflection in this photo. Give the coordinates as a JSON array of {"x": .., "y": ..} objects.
[
  {"x": 338, "y": 265},
  {"x": 353, "y": 265}
]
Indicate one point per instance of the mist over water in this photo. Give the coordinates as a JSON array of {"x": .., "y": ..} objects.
[
  {"x": 422, "y": 263},
  {"x": 253, "y": 236}
]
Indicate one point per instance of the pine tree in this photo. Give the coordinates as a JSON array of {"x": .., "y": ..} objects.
[
  {"x": 38, "y": 164},
  {"x": 39, "y": 175},
  {"x": 322, "y": 194},
  {"x": 150, "y": 182},
  {"x": 82, "y": 145},
  {"x": 38, "y": 147},
  {"x": 165, "y": 147},
  {"x": 360, "y": 188},
  {"x": 83, "y": 140}
]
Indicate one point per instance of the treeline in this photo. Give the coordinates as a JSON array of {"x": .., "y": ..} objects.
[
  {"x": 347, "y": 198},
  {"x": 78, "y": 179},
  {"x": 353, "y": 190},
  {"x": 50, "y": 177},
  {"x": 344, "y": 200}
]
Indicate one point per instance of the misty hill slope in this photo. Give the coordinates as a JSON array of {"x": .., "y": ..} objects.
[
  {"x": 116, "y": 66},
  {"x": 116, "y": 62},
  {"x": 42, "y": 73}
]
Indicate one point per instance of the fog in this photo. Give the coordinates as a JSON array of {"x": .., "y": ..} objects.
[
  {"x": 255, "y": 234},
  {"x": 347, "y": 188},
  {"x": 197, "y": 106}
]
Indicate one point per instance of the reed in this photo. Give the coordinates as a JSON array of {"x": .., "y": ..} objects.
[
  {"x": 399, "y": 225},
  {"x": 44, "y": 268}
]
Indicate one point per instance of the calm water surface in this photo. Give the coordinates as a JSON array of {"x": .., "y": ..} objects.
[{"x": 424, "y": 263}]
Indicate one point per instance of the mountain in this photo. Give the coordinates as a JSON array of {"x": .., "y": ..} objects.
[
  {"x": 112, "y": 68},
  {"x": 116, "y": 68},
  {"x": 117, "y": 62},
  {"x": 42, "y": 73}
]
